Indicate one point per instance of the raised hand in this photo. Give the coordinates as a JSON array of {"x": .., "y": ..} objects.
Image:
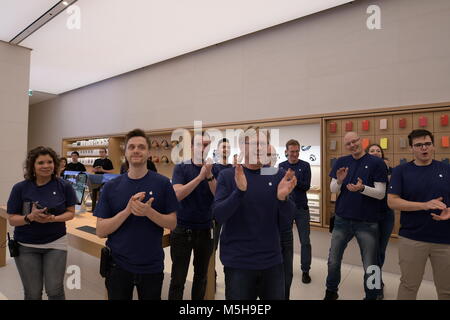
[
  {"x": 341, "y": 174},
  {"x": 356, "y": 187},
  {"x": 208, "y": 167},
  {"x": 239, "y": 178},
  {"x": 286, "y": 185}
]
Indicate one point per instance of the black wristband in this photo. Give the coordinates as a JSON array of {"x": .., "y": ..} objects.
[
  {"x": 27, "y": 221},
  {"x": 210, "y": 179}
]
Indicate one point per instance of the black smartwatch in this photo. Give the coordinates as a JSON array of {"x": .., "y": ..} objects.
[
  {"x": 210, "y": 179},
  {"x": 27, "y": 221}
]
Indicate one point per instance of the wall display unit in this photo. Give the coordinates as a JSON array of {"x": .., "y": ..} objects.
[
  {"x": 390, "y": 130},
  {"x": 323, "y": 133}
]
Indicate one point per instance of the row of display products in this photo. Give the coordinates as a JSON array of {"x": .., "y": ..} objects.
[
  {"x": 91, "y": 142},
  {"x": 383, "y": 124}
]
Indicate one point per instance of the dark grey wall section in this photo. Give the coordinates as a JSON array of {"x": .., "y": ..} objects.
[{"x": 328, "y": 62}]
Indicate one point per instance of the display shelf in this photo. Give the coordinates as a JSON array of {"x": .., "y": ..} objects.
[{"x": 393, "y": 127}]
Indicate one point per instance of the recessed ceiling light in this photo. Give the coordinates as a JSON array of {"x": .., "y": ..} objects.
[{"x": 65, "y": 3}]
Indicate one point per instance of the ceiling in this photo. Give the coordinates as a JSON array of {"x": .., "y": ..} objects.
[{"x": 118, "y": 36}]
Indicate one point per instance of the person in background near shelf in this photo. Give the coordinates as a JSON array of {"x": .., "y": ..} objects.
[
  {"x": 75, "y": 165},
  {"x": 133, "y": 211},
  {"x": 194, "y": 185},
  {"x": 285, "y": 225},
  {"x": 249, "y": 205},
  {"x": 360, "y": 180},
  {"x": 38, "y": 208},
  {"x": 62, "y": 166},
  {"x": 302, "y": 171},
  {"x": 101, "y": 165},
  {"x": 421, "y": 190},
  {"x": 150, "y": 166},
  {"x": 386, "y": 222},
  {"x": 223, "y": 151}
]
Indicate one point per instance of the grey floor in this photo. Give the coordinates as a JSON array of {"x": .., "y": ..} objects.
[{"x": 92, "y": 285}]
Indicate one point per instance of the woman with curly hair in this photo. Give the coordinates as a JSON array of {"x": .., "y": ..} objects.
[{"x": 38, "y": 208}]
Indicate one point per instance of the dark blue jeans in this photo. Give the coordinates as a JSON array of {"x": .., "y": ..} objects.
[
  {"x": 183, "y": 242},
  {"x": 120, "y": 284},
  {"x": 385, "y": 227},
  {"x": 39, "y": 266},
  {"x": 267, "y": 284},
  {"x": 366, "y": 234},
  {"x": 287, "y": 250},
  {"x": 302, "y": 218}
]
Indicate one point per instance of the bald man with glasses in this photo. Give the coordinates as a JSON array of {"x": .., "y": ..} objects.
[
  {"x": 359, "y": 179},
  {"x": 421, "y": 190}
]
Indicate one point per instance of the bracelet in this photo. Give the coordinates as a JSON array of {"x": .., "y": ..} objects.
[
  {"x": 210, "y": 179},
  {"x": 27, "y": 220}
]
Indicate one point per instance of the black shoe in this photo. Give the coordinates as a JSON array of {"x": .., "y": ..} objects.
[
  {"x": 330, "y": 295},
  {"x": 381, "y": 294},
  {"x": 306, "y": 278}
]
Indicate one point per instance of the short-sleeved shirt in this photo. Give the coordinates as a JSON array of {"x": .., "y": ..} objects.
[
  {"x": 218, "y": 167},
  {"x": 57, "y": 195},
  {"x": 355, "y": 205},
  {"x": 136, "y": 246},
  {"x": 106, "y": 164},
  {"x": 75, "y": 167},
  {"x": 302, "y": 171},
  {"x": 422, "y": 184},
  {"x": 195, "y": 210}
]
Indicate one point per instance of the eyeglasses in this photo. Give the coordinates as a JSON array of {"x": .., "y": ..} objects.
[{"x": 420, "y": 145}]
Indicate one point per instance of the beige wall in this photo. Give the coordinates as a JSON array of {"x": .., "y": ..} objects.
[
  {"x": 323, "y": 63},
  {"x": 14, "y": 79}
]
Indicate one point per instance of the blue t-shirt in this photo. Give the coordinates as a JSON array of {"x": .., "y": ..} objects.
[
  {"x": 355, "y": 205},
  {"x": 422, "y": 184},
  {"x": 195, "y": 210},
  {"x": 250, "y": 237},
  {"x": 302, "y": 171},
  {"x": 217, "y": 167},
  {"x": 57, "y": 195},
  {"x": 137, "y": 245}
]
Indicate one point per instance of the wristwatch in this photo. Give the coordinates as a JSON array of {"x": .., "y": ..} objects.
[
  {"x": 27, "y": 221},
  {"x": 362, "y": 190},
  {"x": 210, "y": 179}
]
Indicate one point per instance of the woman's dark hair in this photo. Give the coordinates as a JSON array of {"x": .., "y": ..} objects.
[
  {"x": 376, "y": 144},
  {"x": 63, "y": 158},
  {"x": 29, "y": 173}
]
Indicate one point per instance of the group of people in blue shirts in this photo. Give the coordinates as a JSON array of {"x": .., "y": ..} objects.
[{"x": 250, "y": 210}]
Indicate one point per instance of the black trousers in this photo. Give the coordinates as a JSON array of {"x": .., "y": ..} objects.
[
  {"x": 120, "y": 285},
  {"x": 183, "y": 242}
]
